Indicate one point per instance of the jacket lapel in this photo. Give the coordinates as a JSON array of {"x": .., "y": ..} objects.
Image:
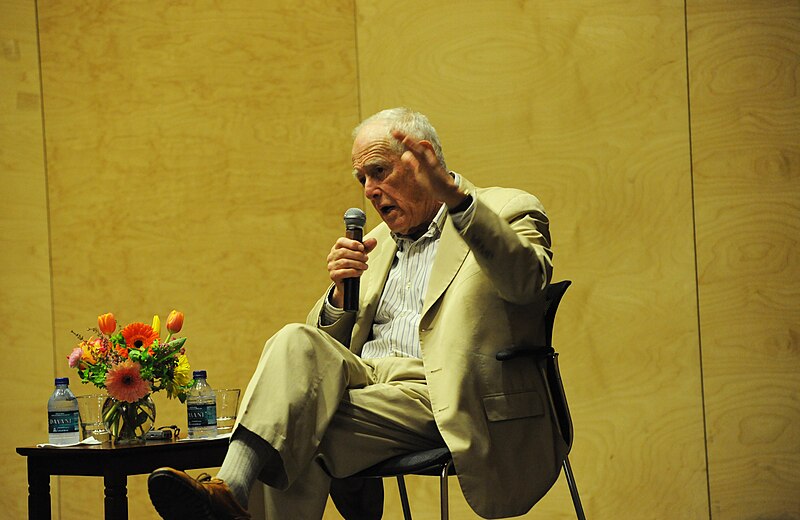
[{"x": 451, "y": 254}]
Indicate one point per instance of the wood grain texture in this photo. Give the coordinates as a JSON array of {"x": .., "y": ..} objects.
[
  {"x": 26, "y": 339},
  {"x": 199, "y": 160},
  {"x": 583, "y": 104},
  {"x": 187, "y": 143},
  {"x": 744, "y": 70}
]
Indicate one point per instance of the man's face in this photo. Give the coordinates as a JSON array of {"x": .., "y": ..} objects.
[{"x": 390, "y": 186}]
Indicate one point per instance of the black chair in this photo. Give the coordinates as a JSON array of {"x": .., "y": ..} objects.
[{"x": 438, "y": 462}]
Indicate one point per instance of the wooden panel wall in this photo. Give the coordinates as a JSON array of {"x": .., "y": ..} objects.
[
  {"x": 198, "y": 157},
  {"x": 583, "y": 104},
  {"x": 25, "y": 305},
  {"x": 744, "y": 68}
]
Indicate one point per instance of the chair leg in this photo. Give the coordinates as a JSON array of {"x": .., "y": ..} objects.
[
  {"x": 401, "y": 485},
  {"x": 445, "y": 507},
  {"x": 573, "y": 489}
]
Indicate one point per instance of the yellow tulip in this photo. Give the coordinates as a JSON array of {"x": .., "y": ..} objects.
[{"x": 157, "y": 324}]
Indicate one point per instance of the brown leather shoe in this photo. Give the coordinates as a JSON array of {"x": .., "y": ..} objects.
[{"x": 177, "y": 496}]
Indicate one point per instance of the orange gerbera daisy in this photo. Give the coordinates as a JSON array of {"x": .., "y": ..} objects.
[
  {"x": 139, "y": 335},
  {"x": 124, "y": 382}
]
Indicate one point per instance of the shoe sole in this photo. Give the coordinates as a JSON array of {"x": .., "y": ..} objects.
[{"x": 174, "y": 499}]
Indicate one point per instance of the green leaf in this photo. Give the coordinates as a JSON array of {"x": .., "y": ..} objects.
[{"x": 176, "y": 344}]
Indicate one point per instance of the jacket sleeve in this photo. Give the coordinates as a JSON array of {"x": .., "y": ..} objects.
[
  {"x": 341, "y": 329},
  {"x": 511, "y": 243}
]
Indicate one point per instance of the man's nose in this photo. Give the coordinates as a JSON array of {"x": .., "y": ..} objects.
[{"x": 371, "y": 189}]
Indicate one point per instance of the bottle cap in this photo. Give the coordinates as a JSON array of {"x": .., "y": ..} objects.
[
  {"x": 198, "y": 374},
  {"x": 62, "y": 381}
]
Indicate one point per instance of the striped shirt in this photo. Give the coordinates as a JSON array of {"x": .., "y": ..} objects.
[{"x": 395, "y": 329}]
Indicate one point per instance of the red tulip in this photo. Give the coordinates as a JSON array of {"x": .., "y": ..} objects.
[
  {"x": 107, "y": 323},
  {"x": 175, "y": 322}
]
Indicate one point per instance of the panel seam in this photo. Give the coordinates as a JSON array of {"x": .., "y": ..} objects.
[
  {"x": 358, "y": 81},
  {"x": 47, "y": 211},
  {"x": 696, "y": 263}
]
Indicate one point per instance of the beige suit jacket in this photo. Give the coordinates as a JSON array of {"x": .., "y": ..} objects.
[{"x": 486, "y": 293}]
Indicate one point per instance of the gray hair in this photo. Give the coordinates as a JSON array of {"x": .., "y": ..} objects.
[{"x": 410, "y": 123}]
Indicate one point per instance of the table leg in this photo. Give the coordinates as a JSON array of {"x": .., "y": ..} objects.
[
  {"x": 38, "y": 491},
  {"x": 116, "y": 502}
]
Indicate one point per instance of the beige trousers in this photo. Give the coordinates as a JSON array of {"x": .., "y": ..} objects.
[{"x": 318, "y": 404}]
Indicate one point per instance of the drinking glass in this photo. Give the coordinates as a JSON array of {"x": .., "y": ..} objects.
[
  {"x": 227, "y": 404},
  {"x": 90, "y": 409}
]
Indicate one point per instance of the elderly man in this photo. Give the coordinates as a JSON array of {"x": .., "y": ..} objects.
[{"x": 452, "y": 275}]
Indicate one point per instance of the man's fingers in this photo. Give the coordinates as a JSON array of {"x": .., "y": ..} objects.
[
  {"x": 400, "y": 136},
  {"x": 346, "y": 255},
  {"x": 417, "y": 153},
  {"x": 348, "y": 258},
  {"x": 337, "y": 275},
  {"x": 348, "y": 243},
  {"x": 369, "y": 244},
  {"x": 412, "y": 144},
  {"x": 345, "y": 244},
  {"x": 347, "y": 263},
  {"x": 410, "y": 160}
]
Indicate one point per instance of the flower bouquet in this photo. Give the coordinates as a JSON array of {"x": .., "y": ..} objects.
[{"x": 131, "y": 364}]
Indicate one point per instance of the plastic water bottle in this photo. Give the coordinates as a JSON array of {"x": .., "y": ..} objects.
[
  {"x": 201, "y": 408},
  {"x": 62, "y": 414}
]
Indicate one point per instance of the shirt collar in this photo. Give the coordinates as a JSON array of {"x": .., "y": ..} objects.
[{"x": 434, "y": 229}]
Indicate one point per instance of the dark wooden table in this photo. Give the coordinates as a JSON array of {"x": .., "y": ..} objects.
[{"x": 114, "y": 464}]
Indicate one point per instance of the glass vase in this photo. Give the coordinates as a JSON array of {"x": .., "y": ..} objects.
[{"x": 128, "y": 423}]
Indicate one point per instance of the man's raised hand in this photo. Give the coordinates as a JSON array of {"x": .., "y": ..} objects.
[{"x": 431, "y": 175}]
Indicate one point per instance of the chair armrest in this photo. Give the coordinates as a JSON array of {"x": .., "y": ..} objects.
[{"x": 515, "y": 352}]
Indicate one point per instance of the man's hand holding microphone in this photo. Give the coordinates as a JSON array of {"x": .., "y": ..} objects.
[{"x": 347, "y": 260}]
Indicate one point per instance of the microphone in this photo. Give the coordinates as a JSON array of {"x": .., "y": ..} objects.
[{"x": 354, "y": 220}]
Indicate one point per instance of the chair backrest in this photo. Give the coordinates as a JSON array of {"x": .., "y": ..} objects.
[{"x": 554, "y": 294}]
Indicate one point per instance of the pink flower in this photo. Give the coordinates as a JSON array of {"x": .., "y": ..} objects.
[
  {"x": 75, "y": 357},
  {"x": 124, "y": 382}
]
